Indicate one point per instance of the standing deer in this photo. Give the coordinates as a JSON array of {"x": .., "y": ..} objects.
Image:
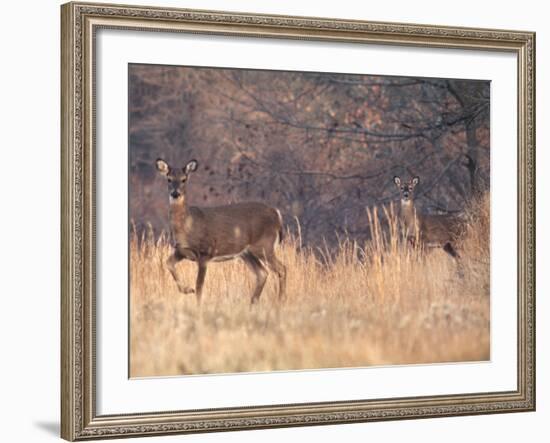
[
  {"x": 433, "y": 231},
  {"x": 203, "y": 234}
]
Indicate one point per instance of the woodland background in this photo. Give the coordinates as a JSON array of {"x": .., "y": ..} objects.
[{"x": 321, "y": 147}]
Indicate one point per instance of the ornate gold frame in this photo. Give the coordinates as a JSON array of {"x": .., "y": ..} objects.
[{"x": 79, "y": 21}]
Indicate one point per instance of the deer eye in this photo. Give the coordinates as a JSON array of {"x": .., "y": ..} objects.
[
  {"x": 183, "y": 180},
  {"x": 169, "y": 180}
]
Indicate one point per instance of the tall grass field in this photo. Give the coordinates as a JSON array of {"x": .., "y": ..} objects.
[{"x": 379, "y": 303}]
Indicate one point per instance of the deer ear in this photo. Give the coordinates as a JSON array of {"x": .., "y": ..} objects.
[
  {"x": 162, "y": 166},
  {"x": 415, "y": 180},
  {"x": 191, "y": 166},
  {"x": 397, "y": 180}
]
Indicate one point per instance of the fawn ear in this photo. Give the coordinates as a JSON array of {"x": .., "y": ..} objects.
[
  {"x": 415, "y": 180},
  {"x": 162, "y": 166},
  {"x": 397, "y": 180},
  {"x": 191, "y": 166}
]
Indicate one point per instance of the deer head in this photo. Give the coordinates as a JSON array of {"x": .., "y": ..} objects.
[
  {"x": 176, "y": 177},
  {"x": 406, "y": 188}
]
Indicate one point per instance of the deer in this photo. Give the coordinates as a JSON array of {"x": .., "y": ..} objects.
[
  {"x": 249, "y": 231},
  {"x": 432, "y": 231}
]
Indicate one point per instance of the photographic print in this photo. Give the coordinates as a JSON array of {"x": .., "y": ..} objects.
[
  {"x": 306, "y": 220},
  {"x": 274, "y": 214}
]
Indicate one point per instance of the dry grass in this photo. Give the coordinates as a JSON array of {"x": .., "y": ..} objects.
[{"x": 376, "y": 304}]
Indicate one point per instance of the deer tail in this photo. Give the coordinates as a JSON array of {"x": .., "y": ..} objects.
[
  {"x": 281, "y": 230},
  {"x": 472, "y": 169}
]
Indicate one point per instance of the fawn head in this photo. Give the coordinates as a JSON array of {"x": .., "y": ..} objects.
[
  {"x": 406, "y": 188},
  {"x": 176, "y": 177}
]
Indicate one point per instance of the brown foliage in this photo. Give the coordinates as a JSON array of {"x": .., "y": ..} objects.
[{"x": 319, "y": 146}]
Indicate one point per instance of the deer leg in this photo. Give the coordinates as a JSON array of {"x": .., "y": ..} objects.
[
  {"x": 276, "y": 266},
  {"x": 200, "y": 279},
  {"x": 449, "y": 249},
  {"x": 259, "y": 270},
  {"x": 176, "y": 257}
]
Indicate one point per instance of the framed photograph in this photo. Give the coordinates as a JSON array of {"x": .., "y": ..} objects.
[{"x": 277, "y": 221}]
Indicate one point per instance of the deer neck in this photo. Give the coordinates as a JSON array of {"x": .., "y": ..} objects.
[
  {"x": 178, "y": 213},
  {"x": 408, "y": 212}
]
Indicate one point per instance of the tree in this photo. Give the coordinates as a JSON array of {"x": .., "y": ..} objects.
[{"x": 321, "y": 147}]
